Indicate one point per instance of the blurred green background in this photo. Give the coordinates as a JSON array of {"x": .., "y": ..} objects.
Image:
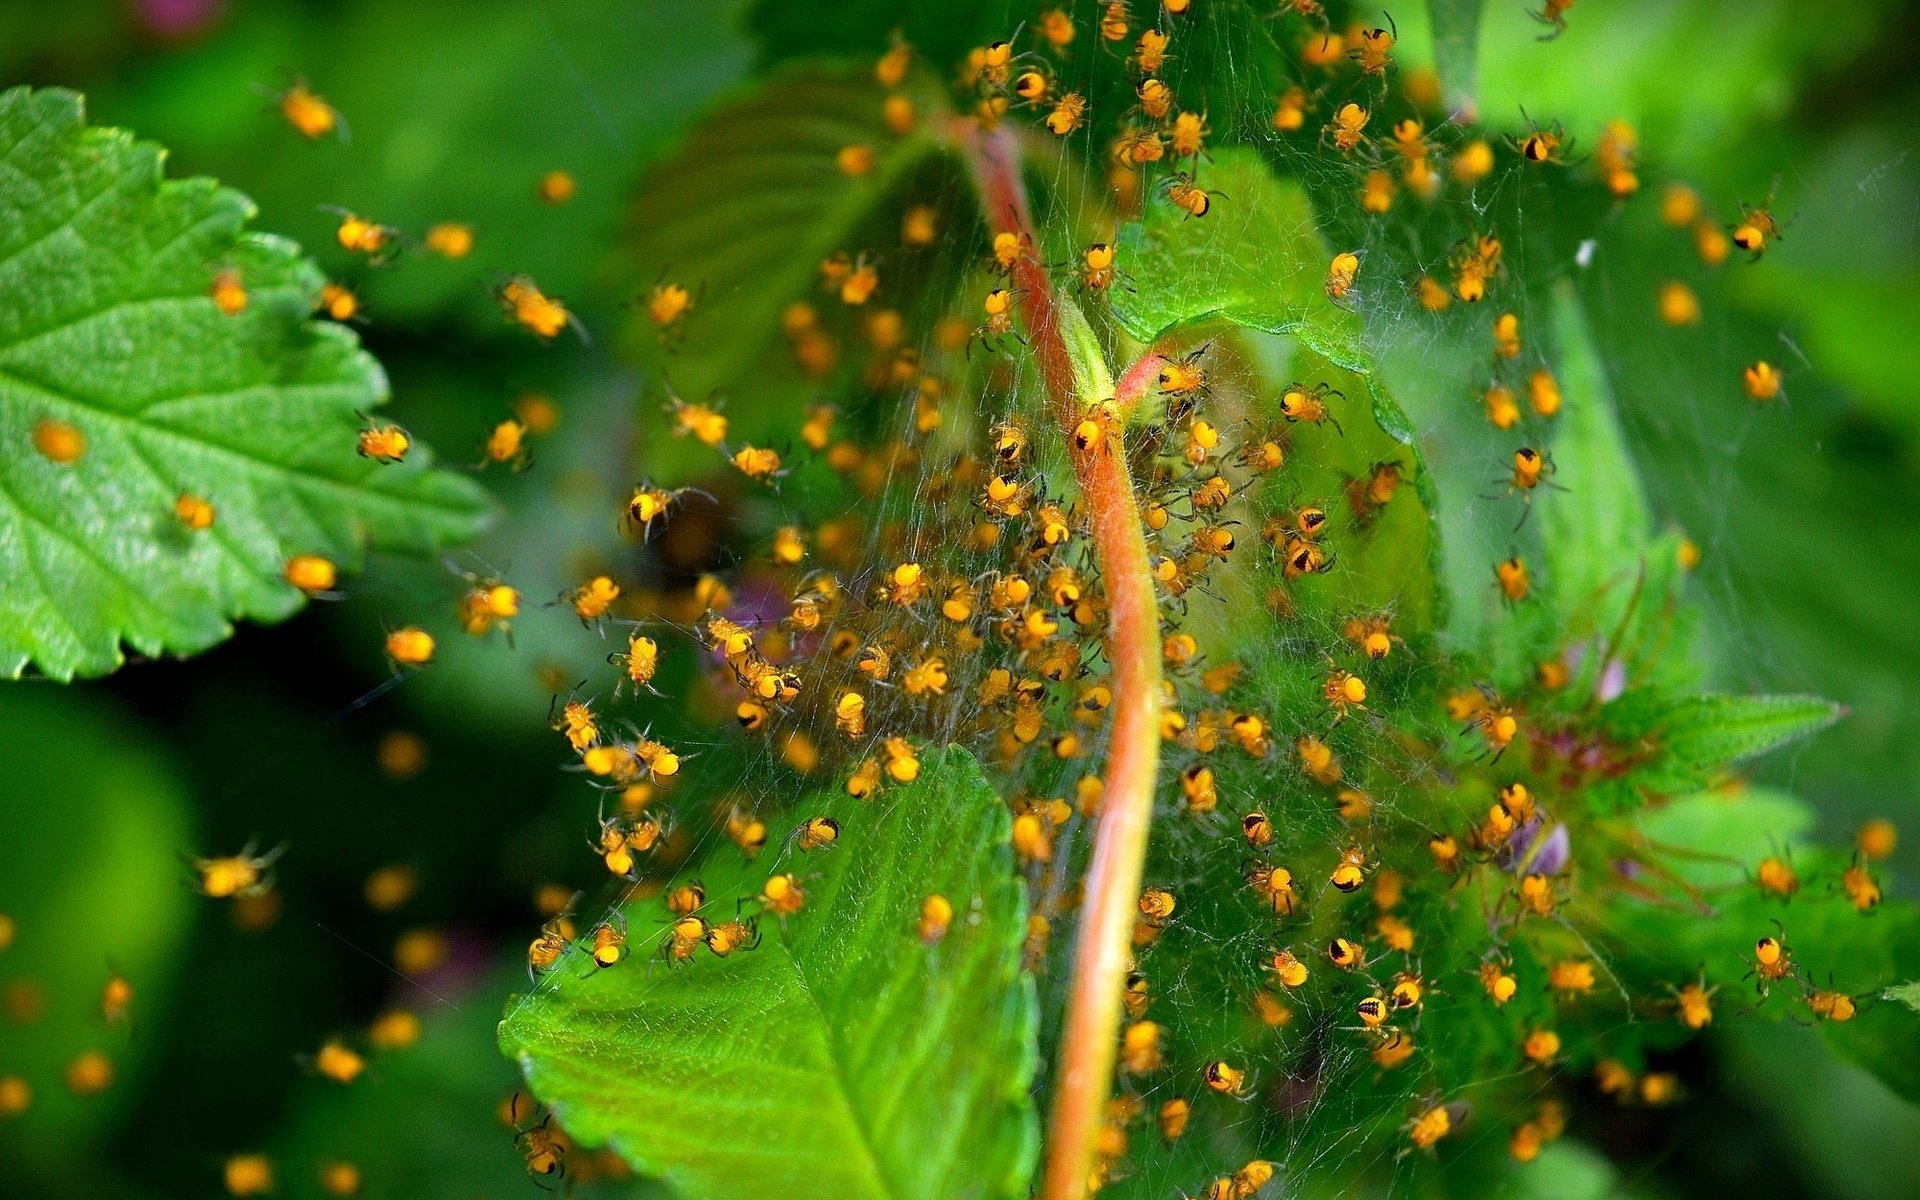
[{"x": 1808, "y": 513}]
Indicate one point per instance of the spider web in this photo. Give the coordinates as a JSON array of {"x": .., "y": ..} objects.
[{"x": 1333, "y": 1115}]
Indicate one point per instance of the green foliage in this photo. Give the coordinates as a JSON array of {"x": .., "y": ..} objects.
[
  {"x": 1256, "y": 259},
  {"x": 1848, "y": 947},
  {"x": 1257, "y": 262},
  {"x": 937, "y": 29},
  {"x": 1796, "y": 508},
  {"x": 743, "y": 216},
  {"x": 1834, "y": 946},
  {"x": 842, "y": 1051},
  {"x": 108, "y": 325},
  {"x": 1622, "y": 61},
  {"x": 1596, "y": 536},
  {"x": 1456, "y": 50},
  {"x": 452, "y": 115},
  {"x": 96, "y": 841},
  {"x": 1688, "y": 739}
]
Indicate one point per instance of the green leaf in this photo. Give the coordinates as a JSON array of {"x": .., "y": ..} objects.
[
  {"x": 1596, "y": 531},
  {"x": 842, "y": 1051},
  {"x": 1685, "y": 743},
  {"x": 745, "y": 213},
  {"x": 1713, "y": 840},
  {"x": 1826, "y": 1109},
  {"x": 1456, "y": 52},
  {"x": 1692, "y": 738},
  {"x": 92, "y": 888},
  {"x": 107, "y": 324},
  {"x": 1906, "y": 993},
  {"x": 1738, "y": 827},
  {"x": 1621, "y": 61},
  {"x": 1256, "y": 261},
  {"x": 1852, "y": 324},
  {"x": 1606, "y": 576},
  {"x": 1884, "y": 1037}
]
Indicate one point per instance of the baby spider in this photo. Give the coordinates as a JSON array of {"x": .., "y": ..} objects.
[
  {"x": 667, "y": 306},
  {"x": 1136, "y": 147},
  {"x": 544, "y": 1147},
  {"x": 1531, "y": 469},
  {"x": 638, "y": 664},
  {"x": 1374, "y": 51},
  {"x": 544, "y": 316},
  {"x": 1542, "y": 144},
  {"x": 360, "y": 235},
  {"x": 1096, "y": 272},
  {"x": 1827, "y": 1004},
  {"x": 307, "y": 111},
  {"x": 1187, "y": 194},
  {"x": 1009, "y": 250},
  {"x": 1183, "y": 381},
  {"x": 609, "y": 944},
  {"x": 1553, "y": 13},
  {"x": 1300, "y": 403},
  {"x": 998, "y": 325},
  {"x": 1348, "y": 129},
  {"x": 1344, "y": 691},
  {"x": 704, "y": 421},
  {"x": 236, "y": 876},
  {"x": 650, "y": 505},
  {"x": 1228, "y": 1080},
  {"x": 1771, "y": 961},
  {"x": 760, "y": 464},
  {"x": 547, "y": 948},
  {"x": 488, "y": 604},
  {"x": 1341, "y": 273},
  {"x": 1756, "y": 227}
]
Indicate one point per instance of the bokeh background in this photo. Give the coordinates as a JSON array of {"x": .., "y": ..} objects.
[{"x": 1809, "y": 516}]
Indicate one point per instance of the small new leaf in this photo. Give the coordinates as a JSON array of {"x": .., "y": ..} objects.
[
  {"x": 1712, "y": 731},
  {"x": 1688, "y": 741}
]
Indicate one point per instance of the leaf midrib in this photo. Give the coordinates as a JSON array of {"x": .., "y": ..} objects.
[
  {"x": 363, "y": 493},
  {"x": 835, "y": 1055}
]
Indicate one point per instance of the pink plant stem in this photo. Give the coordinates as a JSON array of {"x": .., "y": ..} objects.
[
  {"x": 1071, "y": 367},
  {"x": 1143, "y": 374}
]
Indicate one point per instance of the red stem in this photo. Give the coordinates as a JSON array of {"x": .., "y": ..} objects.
[
  {"x": 1089, "y": 1038},
  {"x": 1143, "y": 374}
]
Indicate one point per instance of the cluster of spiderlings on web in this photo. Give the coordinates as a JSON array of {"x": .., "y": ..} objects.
[
  {"x": 1515, "y": 835},
  {"x": 1398, "y": 141},
  {"x": 850, "y": 644},
  {"x": 1009, "y": 636}
]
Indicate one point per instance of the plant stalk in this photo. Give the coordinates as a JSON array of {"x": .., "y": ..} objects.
[{"x": 1075, "y": 372}]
